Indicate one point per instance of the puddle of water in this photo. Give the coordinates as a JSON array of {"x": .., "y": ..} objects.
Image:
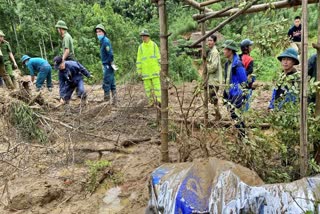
[{"x": 111, "y": 202}]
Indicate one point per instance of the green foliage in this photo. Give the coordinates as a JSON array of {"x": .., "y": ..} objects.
[
  {"x": 286, "y": 124},
  {"x": 139, "y": 11},
  {"x": 271, "y": 39},
  {"x": 254, "y": 151},
  {"x": 24, "y": 120},
  {"x": 182, "y": 69},
  {"x": 265, "y": 67},
  {"x": 94, "y": 168}
]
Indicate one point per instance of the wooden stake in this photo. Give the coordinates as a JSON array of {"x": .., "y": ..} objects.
[
  {"x": 204, "y": 76},
  {"x": 222, "y": 24},
  {"x": 318, "y": 64},
  {"x": 303, "y": 96},
  {"x": 256, "y": 8},
  {"x": 164, "y": 83}
]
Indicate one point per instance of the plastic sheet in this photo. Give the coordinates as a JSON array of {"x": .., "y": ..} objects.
[{"x": 216, "y": 186}]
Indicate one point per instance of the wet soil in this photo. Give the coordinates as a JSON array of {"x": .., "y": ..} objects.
[{"x": 53, "y": 177}]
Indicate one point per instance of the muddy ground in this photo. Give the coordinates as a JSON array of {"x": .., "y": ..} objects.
[{"x": 55, "y": 177}]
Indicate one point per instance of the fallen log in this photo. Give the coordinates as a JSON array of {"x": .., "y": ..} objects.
[
  {"x": 133, "y": 141},
  {"x": 99, "y": 147}
]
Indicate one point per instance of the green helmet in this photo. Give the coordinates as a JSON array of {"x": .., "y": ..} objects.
[
  {"x": 61, "y": 24},
  {"x": 290, "y": 53},
  {"x": 144, "y": 33},
  {"x": 1, "y": 33},
  {"x": 230, "y": 44},
  {"x": 101, "y": 27}
]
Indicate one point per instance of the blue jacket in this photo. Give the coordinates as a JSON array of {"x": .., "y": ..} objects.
[
  {"x": 34, "y": 65},
  {"x": 238, "y": 76},
  {"x": 71, "y": 75},
  {"x": 106, "y": 52},
  {"x": 282, "y": 91}
]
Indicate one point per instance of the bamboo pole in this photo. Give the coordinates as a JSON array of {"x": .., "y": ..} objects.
[
  {"x": 214, "y": 15},
  {"x": 204, "y": 76},
  {"x": 303, "y": 96},
  {"x": 196, "y": 5},
  {"x": 256, "y": 8},
  {"x": 222, "y": 24},
  {"x": 164, "y": 76},
  {"x": 317, "y": 46},
  {"x": 206, "y": 3}
]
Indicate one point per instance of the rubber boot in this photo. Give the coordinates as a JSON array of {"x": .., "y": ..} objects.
[{"x": 114, "y": 97}]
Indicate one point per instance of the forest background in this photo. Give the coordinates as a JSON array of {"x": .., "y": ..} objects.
[{"x": 29, "y": 27}]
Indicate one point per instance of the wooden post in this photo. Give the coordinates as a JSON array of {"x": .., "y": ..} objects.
[
  {"x": 318, "y": 64},
  {"x": 164, "y": 83},
  {"x": 204, "y": 76},
  {"x": 303, "y": 100},
  {"x": 222, "y": 24}
]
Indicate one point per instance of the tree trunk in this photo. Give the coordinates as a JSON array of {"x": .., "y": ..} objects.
[
  {"x": 40, "y": 49},
  {"x": 204, "y": 76},
  {"x": 16, "y": 36},
  {"x": 51, "y": 43},
  {"x": 44, "y": 48},
  {"x": 318, "y": 64},
  {"x": 303, "y": 100},
  {"x": 164, "y": 83}
]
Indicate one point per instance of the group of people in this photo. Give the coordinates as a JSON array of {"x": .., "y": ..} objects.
[
  {"x": 71, "y": 72},
  {"x": 238, "y": 76}
]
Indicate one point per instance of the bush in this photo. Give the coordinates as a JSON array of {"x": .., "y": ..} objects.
[
  {"x": 25, "y": 121},
  {"x": 266, "y": 68},
  {"x": 182, "y": 69}
]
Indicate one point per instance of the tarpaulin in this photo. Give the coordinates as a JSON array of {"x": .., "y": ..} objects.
[{"x": 217, "y": 186}]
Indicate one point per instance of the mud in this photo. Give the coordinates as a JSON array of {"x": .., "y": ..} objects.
[{"x": 53, "y": 178}]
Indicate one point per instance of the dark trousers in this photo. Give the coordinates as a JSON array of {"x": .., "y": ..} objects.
[
  {"x": 109, "y": 82},
  {"x": 80, "y": 90}
]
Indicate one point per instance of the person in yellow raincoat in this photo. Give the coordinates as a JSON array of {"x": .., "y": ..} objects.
[{"x": 148, "y": 67}]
